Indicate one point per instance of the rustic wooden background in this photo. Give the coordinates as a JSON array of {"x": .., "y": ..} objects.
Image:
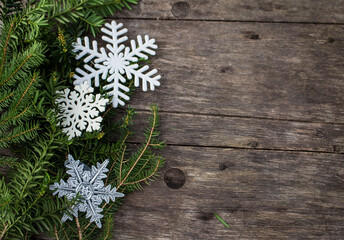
[{"x": 252, "y": 109}]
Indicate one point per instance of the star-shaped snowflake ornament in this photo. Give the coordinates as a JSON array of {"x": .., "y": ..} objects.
[
  {"x": 88, "y": 183},
  {"x": 79, "y": 110},
  {"x": 118, "y": 63}
]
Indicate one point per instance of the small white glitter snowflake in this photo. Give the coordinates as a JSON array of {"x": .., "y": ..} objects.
[
  {"x": 88, "y": 183},
  {"x": 80, "y": 110},
  {"x": 117, "y": 63}
]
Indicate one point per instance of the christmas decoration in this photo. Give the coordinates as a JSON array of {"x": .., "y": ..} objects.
[
  {"x": 118, "y": 63},
  {"x": 36, "y": 61},
  {"x": 89, "y": 184},
  {"x": 80, "y": 110}
]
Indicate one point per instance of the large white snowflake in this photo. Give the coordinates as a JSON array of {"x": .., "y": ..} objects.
[
  {"x": 88, "y": 183},
  {"x": 116, "y": 64},
  {"x": 79, "y": 110}
]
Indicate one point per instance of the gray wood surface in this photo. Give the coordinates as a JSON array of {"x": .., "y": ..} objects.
[
  {"x": 317, "y": 11},
  {"x": 251, "y": 107},
  {"x": 239, "y": 132},
  {"x": 260, "y": 194}
]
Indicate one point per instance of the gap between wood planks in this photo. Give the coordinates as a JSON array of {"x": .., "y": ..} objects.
[
  {"x": 245, "y": 148},
  {"x": 285, "y": 135},
  {"x": 224, "y": 21},
  {"x": 242, "y": 116}
]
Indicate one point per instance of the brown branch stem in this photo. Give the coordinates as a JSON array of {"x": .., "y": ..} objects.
[
  {"x": 143, "y": 151},
  {"x": 55, "y": 232},
  {"x": 3, "y": 232},
  {"x": 156, "y": 168},
  {"x": 78, "y": 227},
  {"x": 5, "y": 47}
]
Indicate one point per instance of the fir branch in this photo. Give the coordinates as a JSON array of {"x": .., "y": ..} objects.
[
  {"x": 3, "y": 232},
  {"x": 24, "y": 213},
  {"x": 144, "y": 179},
  {"x": 20, "y": 114},
  {"x": 10, "y": 7},
  {"x": 145, "y": 147},
  {"x": 6, "y": 97},
  {"x": 16, "y": 70},
  {"x": 120, "y": 167},
  {"x": 19, "y": 134},
  {"x": 26, "y": 90},
  {"x": 78, "y": 228},
  {"x": 6, "y": 161},
  {"x": 66, "y": 9},
  {"x": 5, "y": 47},
  {"x": 55, "y": 232}
]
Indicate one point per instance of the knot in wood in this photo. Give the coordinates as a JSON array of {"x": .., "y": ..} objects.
[
  {"x": 174, "y": 178},
  {"x": 180, "y": 9}
]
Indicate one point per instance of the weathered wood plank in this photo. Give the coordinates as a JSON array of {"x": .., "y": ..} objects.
[
  {"x": 260, "y": 194},
  {"x": 219, "y": 131},
  {"x": 280, "y": 71},
  {"x": 320, "y": 11}
]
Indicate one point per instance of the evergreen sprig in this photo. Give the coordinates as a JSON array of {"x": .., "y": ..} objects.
[
  {"x": 89, "y": 13},
  {"x": 9, "y": 7},
  {"x": 35, "y": 62}
]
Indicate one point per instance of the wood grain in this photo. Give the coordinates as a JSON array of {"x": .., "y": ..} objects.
[
  {"x": 331, "y": 11},
  {"x": 288, "y": 71},
  {"x": 219, "y": 131},
  {"x": 260, "y": 194},
  {"x": 252, "y": 111}
]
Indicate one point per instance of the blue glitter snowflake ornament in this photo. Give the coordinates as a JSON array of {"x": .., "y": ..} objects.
[{"x": 88, "y": 183}]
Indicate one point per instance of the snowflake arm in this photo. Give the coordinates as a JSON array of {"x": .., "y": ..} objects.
[
  {"x": 87, "y": 50},
  {"x": 79, "y": 110},
  {"x": 114, "y": 90},
  {"x": 83, "y": 76},
  {"x": 114, "y": 34},
  {"x": 91, "y": 53},
  {"x": 119, "y": 63},
  {"x": 142, "y": 49},
  {"x": 89, "y": 185}
]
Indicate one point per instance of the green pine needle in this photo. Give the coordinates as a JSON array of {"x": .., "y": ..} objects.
[{"x": 221, "y": 220}]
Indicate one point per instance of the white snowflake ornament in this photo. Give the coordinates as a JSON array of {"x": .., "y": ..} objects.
[
  {"x": 90, "y": 187},
  {"x": 118, "y": 63},
  {"x": 79, "y": 110}
]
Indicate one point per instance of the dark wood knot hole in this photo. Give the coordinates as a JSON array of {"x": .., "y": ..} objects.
[
  {"x": 330, "y": 39},
  {"x": 180, "y": 9},
  {"x": 174, "y": 178}
]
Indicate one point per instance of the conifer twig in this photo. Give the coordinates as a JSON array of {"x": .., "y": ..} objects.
[
  {"x": 17, "y": 135},
  {"x": 150, "y": 157},
  {"x": 56, "y": 235},
  {"x": 3, "y": 232},
  {"x": 20, "y": 66},
  {"x": 27, "y": 89},
  {"x": 78, "y": 227},
  {"x": 107, "y": 232},
  {"x": 10, "y": 95},
  {"x": 141, "y": 180},
  {"x": 5, "y": 203},
  {"x": 5, "y": 47},
  {"x": 142, "y": 152},
  {"x": 65, "y": 233},
  {"x": 113, "y": 164},
  {"x": 120, "y": 166},
  {"x": 5, "y": 120}
]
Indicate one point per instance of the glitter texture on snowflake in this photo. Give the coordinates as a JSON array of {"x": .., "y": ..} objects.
[
  {"x": 80, "y": 110},
  {"x": 118, "y": 63},
  {"x": 88, "y": 183}
]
